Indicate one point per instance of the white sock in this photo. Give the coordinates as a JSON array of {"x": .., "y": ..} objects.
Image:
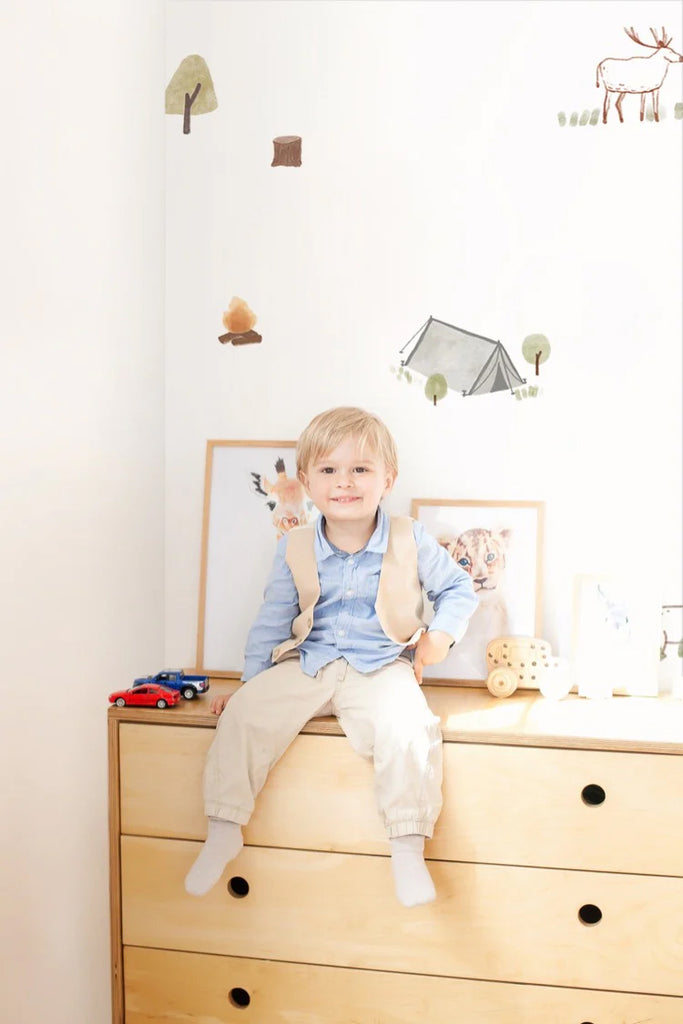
[
  {"x": 223, "y": 843},
  {"x": 412, "y": 880}
]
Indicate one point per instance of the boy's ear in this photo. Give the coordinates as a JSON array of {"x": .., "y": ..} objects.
[
  {"x": 303, "y": 479},
  {"x": 390, "y": 481}
]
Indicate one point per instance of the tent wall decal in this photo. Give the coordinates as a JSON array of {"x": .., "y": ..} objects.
[{"x": 471, "y": 363}]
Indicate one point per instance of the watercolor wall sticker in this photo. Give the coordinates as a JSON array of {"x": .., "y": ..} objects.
[
  {"x": 239, "y": 320},
  {"x": 286, "y": 151},
  {"x": 637, "y": 75},
  {"x": 468, "y": 363},
  {"x": 436, "y": 388},
  {"x": 536, "y": 350},
  {"x": 400, "y": 373},
  {"x": 191, "y": 90},
  {"x": 286, "y": 499},
  {"x": 641, "y": 75}
]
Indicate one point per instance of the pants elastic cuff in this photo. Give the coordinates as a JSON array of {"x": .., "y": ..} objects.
[
  {"x": 227, "y": 813},
  {"x": 410, "y": 828}
]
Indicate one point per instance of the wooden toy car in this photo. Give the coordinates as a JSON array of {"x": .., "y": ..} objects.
[
  {"x": 145, "y": 696},
  {"x": 516, "y": 661}
]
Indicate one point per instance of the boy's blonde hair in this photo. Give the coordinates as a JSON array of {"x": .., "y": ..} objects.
[{"x": 329, "y": 429}]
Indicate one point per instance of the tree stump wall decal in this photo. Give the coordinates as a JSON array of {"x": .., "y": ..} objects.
[{"x": 287, "y": 151}]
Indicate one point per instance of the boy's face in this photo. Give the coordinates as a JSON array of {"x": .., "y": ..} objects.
[{"x": 348, "y": 484}]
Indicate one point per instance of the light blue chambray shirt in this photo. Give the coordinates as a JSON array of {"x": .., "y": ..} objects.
[{"x": 345, "y": 623}]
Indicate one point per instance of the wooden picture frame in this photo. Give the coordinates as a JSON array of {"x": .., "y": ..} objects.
[
  {"x": 507, "y": 553},
  {"x": 616, "y": 636},
  {"x": 239, "y": 536}
]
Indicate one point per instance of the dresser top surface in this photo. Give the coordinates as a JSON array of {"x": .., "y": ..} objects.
[{"x": 473, "y": 715}]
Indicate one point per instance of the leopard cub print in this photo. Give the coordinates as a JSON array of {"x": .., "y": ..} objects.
[{"x": 481, "y": 553}]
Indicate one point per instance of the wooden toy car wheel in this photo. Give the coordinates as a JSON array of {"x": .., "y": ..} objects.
[
  {"x": 120, "y": 702},
  {"x": 161, "y": 703},
  {"x": 502, "y": 682},
  {"x": 188, "y": 693}
]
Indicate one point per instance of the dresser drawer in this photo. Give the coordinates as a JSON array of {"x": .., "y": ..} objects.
[
  {"x": 587, "y": 809},
  {"x": 189, "y": 988},
  {"x": 489, "y": 922},
  {"x": 161, "y": 791},
  {"x": 502, "y": 804}
]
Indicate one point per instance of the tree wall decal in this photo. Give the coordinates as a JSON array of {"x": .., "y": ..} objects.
[
  {"x": 536, "y": 349},
  {"x": 191, "y": 90}
]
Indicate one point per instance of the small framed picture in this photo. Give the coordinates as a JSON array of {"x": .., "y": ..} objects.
[
  {"x": 251, "y": 498},
  {"x": 499, "y": 543},
  {"x": 616, "y": 637}
]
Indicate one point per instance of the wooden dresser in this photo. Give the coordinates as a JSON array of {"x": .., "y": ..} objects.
[{"x": 558, "y": 863}]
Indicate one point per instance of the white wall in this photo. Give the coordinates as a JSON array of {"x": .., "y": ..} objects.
[
  {"x": 81, "y": 470},
  {"x": 435, "y": 180}
]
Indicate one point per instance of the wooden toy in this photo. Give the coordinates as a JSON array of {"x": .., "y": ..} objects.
[{"x": 515, "y": 661}]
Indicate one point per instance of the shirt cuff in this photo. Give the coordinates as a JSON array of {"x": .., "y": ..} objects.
[{"x": 455, "y": 629}]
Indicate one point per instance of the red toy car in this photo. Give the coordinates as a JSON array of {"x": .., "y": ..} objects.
[{"x": 147, "y": 696}]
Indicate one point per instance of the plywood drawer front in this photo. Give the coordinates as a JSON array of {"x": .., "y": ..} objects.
[
  {"x": 524, "y": 805},
  {"x": 502, "y": 804},
  {"x": 161, "y": 791},
  {"x": 188, "y": 988},
  {"x": 489, "y": 922},
  {"x": 161, "y": 779}
]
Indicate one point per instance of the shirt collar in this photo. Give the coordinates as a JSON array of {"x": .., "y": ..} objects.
[{"x": 378, "y": 541}]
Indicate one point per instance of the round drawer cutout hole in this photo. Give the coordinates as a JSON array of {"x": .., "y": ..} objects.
[
  {"x": 239, "y": 997},
  {"x": 590, "y": 914},
  {"x": 593, "y": 795},
  {"x": 238, "y": 887}
]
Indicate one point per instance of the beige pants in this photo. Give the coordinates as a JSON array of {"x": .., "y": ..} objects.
[{"x": 384, "y": 715}]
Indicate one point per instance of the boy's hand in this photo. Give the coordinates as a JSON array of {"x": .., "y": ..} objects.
[
  {"x": 431, "y": 648},
  {"x": 218, "y": 703}
]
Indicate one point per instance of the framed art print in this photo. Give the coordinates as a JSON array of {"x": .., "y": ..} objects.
[
  {"x": 616, "y": 636},
  {"x": 499, "y": 543},
  {"x": 251, "y": 498}
]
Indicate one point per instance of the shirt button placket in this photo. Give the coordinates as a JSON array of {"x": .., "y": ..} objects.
[{"x": 347, "y": 591}]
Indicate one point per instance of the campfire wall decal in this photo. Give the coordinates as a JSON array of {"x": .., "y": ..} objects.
[{"x": 239, "y": 320}]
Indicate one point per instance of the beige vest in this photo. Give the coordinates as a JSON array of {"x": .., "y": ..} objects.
[{"x": 399, "y": 602}]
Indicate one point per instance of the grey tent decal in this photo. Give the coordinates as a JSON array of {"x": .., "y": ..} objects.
[{"x": 471, "y": 363}]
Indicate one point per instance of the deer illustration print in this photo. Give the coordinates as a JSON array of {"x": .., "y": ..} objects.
[{"x": 641, "y": 75}]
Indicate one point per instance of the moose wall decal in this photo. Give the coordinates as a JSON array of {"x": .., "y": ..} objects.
[{"x": 640, "y": 75}]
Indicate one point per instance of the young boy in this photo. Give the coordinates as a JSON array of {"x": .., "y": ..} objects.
[{"x": 342, "y": 609}]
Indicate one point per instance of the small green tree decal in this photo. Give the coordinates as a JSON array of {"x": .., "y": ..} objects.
[
  {"x": 436, "y": 387},
  {"x": 191, "y": 90},
  {"x": 536, "y": 349}
]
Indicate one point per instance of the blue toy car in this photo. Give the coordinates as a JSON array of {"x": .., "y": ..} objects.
[{"x": 189, "y": 686}]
